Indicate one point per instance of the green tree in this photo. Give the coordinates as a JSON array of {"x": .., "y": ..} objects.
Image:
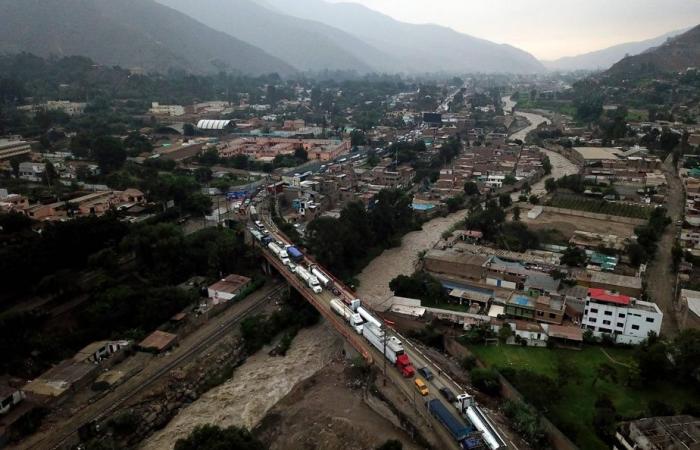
[
  {"x": 574, "y": 257},
  {"x": 516, "y": 214},
  {"x": 606, "y": 372},
  {"x": 504, "y": 333},
  {"x": 470, "y": 188},
  {"x": 211, "y": 437},
  {"x": 486, "y": 380},
  {"x": 109, "y": 154},
  {"x": 547, "y": 165},
  {"x": 505, "y": 201}
]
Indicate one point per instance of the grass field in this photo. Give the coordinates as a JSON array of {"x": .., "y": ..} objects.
[
  {"x": 599, "y": 206},
  {"x": 575, "y": 410}
]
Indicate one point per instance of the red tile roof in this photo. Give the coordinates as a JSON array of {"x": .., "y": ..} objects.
[{"x": 608, "y": 297}]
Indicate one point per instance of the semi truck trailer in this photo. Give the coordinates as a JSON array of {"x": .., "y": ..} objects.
[
  {"x": 354, "y": 319},
  {"x": 323, "y": 279},
  {"x": 309, "y": 279},
  {"x": 281, "y": 254},
  {"x": 294, "y": 254},
  {"x": 457, "y": 429},
  {"x": 466, "y": 405},
  {"x": 390, "y": 346}
]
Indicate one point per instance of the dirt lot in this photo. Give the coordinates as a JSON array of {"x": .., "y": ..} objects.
[
  {"x": 568, "y": 224},
  {"x": 328, "y": 411}
]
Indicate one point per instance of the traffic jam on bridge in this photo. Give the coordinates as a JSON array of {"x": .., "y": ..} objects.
[{"x": 465, "y": 421}]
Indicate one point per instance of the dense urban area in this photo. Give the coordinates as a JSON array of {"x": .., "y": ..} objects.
[{"x": 349, "y": 259}]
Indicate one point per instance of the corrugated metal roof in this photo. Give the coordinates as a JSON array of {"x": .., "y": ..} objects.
[{"x": 208, "y": 124}]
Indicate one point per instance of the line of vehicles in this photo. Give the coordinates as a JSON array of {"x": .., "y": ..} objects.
[{"x": 479, "y": 433}]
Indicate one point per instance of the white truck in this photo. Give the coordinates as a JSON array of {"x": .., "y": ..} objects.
[
  {"x": 369, "y": 317},
  {"x": 467, "y": 406},
  {"x": 353, "y": 318},
  {"x": 323, "y": 279},
  {"x": 309, "y": 279},
  {"x": 279, "y": 252}
]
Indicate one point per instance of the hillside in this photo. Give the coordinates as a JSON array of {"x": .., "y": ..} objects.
[
  {"x": 129, "y": 33},
  {"x": 677, "y": 54},
  {"x": 605, "y": 58},
  {"x": 420, "y": 48},
  {"x": 305, "y": 44}
]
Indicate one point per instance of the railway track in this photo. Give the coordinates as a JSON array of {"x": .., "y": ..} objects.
[{"x": 186, "y": 356}]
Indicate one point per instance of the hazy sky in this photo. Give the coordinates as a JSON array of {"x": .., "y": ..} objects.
[{"x": 549, "y": 28}]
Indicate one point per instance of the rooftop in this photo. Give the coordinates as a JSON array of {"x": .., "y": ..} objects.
[
  {"x": 608, "y": 297},
  {"x": 614, "y": 279},
  {"x": 231, "y": 284},
  {"x": 598, "y": 153},
  {"x": 565, "y": 332},
  {"x": 158, "y": 340}
]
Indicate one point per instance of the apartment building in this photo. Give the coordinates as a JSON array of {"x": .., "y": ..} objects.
[
  {"x": 9, "y": 148},
  {"x": 166, "y": 110},
  {"x": 629, "y": 320}
]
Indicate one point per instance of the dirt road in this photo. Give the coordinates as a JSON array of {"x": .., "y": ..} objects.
[
  {"x": 660, "y": 279},
  {"x": 255, "y": 387}
]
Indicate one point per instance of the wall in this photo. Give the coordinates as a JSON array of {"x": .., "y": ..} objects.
[{"x": 590, "y": 215}]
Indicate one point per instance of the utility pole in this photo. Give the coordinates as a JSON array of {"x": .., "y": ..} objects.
[{"x": 384, "y": 355}]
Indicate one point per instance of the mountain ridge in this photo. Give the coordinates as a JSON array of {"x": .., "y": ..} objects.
[{"x": 129, "y": 33}]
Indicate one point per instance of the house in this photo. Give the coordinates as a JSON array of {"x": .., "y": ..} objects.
[
  {"x": 9, "y": 398},
  {"x": 629, "y": 320},
  {"x": 9, "y": 148},
  {"x": 623, "y": 284},
  {"x": 227, "y": 288},
  {"x": 66, "y": 376},
  {"x": 158, "y": 342},
  {"x": 31, "y": 171},
  {"x": 100, "y": 350},
  {"x": 530, "y": 333},
  {"x": 690, "y": 309}
]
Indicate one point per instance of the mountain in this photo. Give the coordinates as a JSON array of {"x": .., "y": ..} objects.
[
  {"x": 605, "y": 58},
  {"x": 419, "y": 48},
  {"x": 129, "y": 33},
  {"x": 305, "y": 44},
  {"x": 676, "y": 54}
]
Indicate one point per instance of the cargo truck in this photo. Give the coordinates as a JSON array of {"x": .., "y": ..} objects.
[
  {"x": 458, "y": 430},
  {"x": 369, "y": 317},
  {"x": 352, "y": 304},
  {"x": 294, "y": 254},
  {"x": 466, "y": 405},
  {"x": 309, "y": 279},
  {"x": 324, "y": 279},
  {"x": 281, "y": 254},
  {"x": 353, "y": 318},
  {"x": 390, "y": 346}
]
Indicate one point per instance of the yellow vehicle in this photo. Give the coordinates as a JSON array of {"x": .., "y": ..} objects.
[{"x": 421, "y": 386}]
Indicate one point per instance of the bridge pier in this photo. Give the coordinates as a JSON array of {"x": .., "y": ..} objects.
[{"x": 349, "y": 351}]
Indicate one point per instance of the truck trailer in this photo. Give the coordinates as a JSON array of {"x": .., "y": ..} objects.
[
  {"x": 354, "y": 319},
  {"x": 458, "y": 430},
  {"x": 309, "y": 279},
  {"x": 294, "y": 254},
  {"x": 390, "y": 346},
  {"x": 324, "y": 279},
  {"x": 281, "y": 254},
  {"x": 466, "y": 405},
  {"x": 369, "y": 317}
]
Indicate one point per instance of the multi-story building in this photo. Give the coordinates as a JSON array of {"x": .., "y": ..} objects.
[
  {"x": 31, "y": 171},
  {"x": 9, "y": 148},
  {"x": 166, "y": 110},
  {"x": 629, "y": 320}
]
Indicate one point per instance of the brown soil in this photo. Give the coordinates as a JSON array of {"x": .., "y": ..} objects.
[{"x": 331, "y": 410}]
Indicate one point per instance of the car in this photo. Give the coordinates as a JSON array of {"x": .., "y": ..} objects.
[
  {"x": 335, "y": 291},
  {"x": 448, "y": 394},
  {"x": 421, "y": 387},
  {"x": 426, "y": 372}
]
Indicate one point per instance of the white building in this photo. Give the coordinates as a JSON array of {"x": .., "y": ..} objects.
[
  {"x": 495, "y": 181},
  {"x": 9, "y": 397},
  {"x": 166, "y": 110},
  {"x": 31, "y": 171},
  {"x": 70, "y": 108},
  {"x": 627, "y": 319}
]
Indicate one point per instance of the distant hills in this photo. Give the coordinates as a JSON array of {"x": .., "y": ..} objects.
[
  {"x": 129, "y": 33},
  {"x": 305, "y": 44},
  {"x": 413, "y": 48},
  {"x": 605, "y": 58},
  {"x": 676, "y": 54}
]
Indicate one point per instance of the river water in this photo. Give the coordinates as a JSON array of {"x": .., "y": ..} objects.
[{"x": 375, "y": 278}]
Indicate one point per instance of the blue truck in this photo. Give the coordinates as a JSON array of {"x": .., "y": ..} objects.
[
  {"x": 294, "y": 254},
  {"x": 453, "y": 425}
]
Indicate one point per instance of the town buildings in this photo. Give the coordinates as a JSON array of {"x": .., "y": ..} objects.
[
  {"x": 227, "y": 288},
  {"x": 12, "y": 147},
  {"x": 267, "y": 148}
]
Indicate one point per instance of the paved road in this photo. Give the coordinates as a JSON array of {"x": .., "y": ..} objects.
[{"x": 660, "y": 279}]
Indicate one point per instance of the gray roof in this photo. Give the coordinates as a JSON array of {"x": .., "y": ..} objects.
[{"x": 542, "y": 282}]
